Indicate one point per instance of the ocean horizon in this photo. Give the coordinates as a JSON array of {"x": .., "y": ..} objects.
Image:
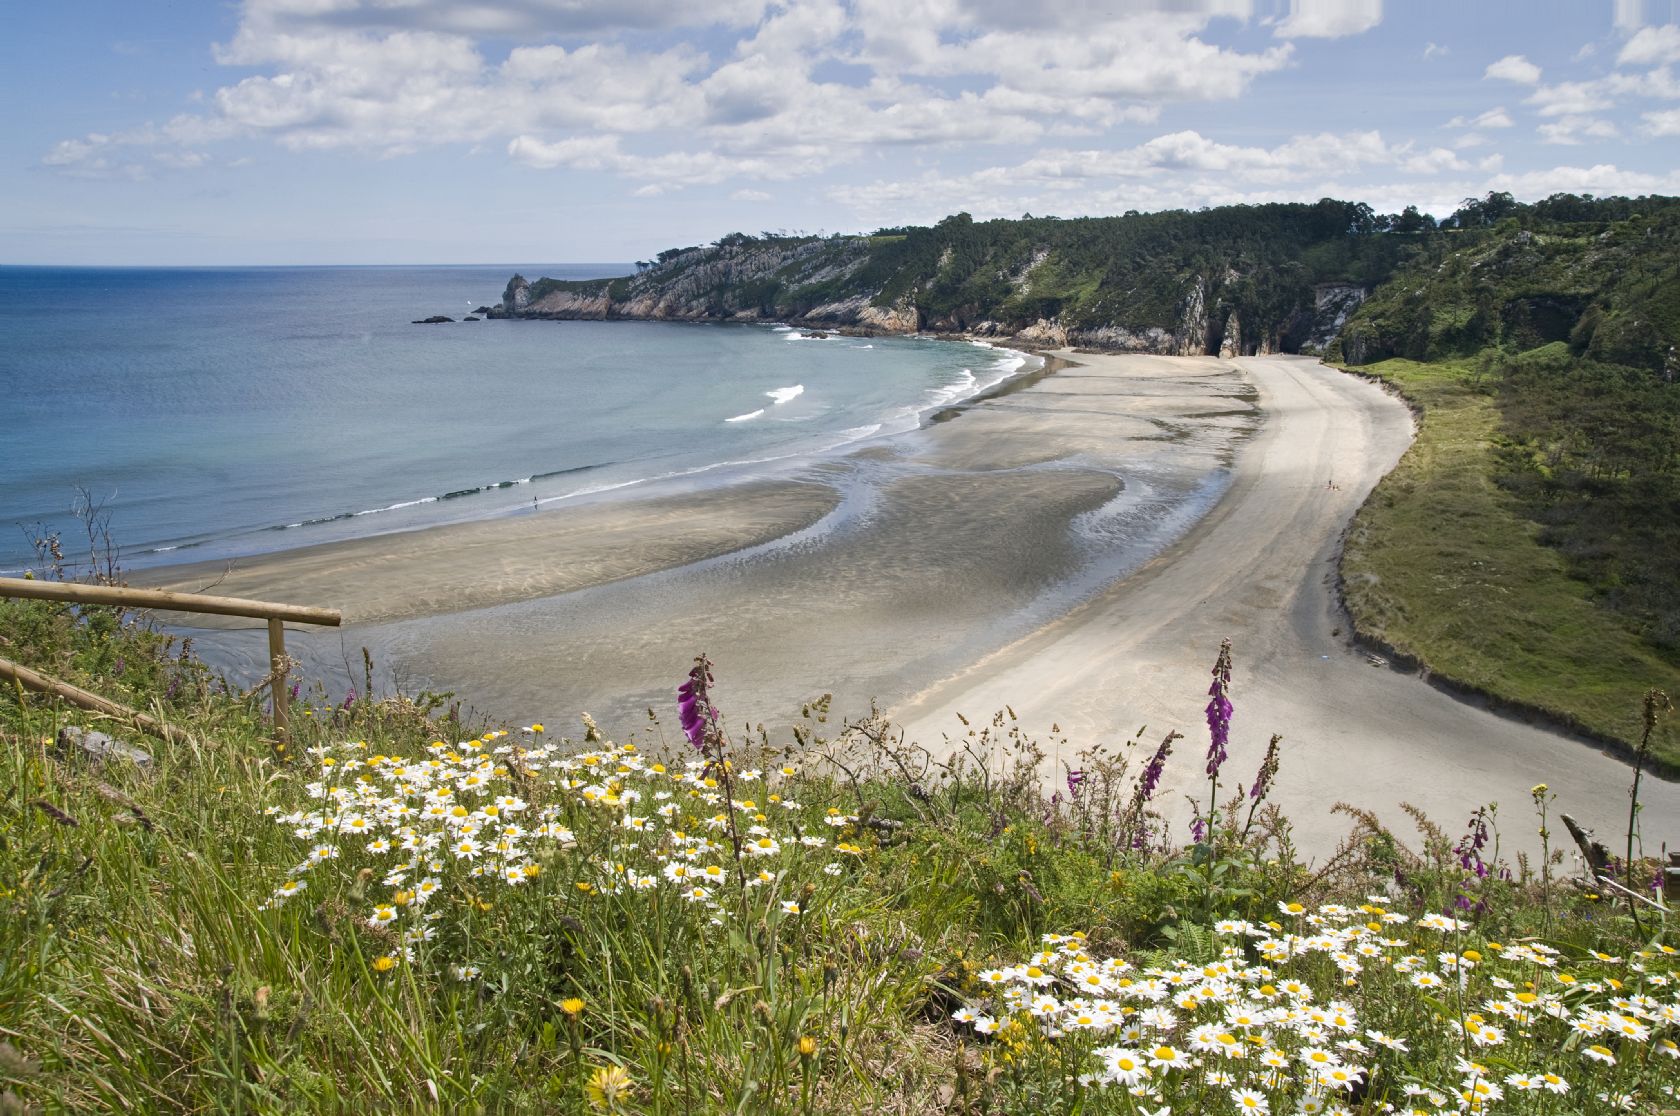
[{"x": 214, "y": 413}]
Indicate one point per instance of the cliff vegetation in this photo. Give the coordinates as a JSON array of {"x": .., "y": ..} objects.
[
  {"x": 1526, "y": 546},
  {"x": 1239, "y": 279}
]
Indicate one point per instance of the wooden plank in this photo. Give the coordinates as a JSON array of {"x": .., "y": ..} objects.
[
  {"x": 75, "y": 695},
  {"x": 163, "y": 599},
  {"x": 277, "y": 688}
]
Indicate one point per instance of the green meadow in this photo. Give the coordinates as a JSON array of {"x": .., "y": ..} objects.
[{"x": 396, "y": 911}]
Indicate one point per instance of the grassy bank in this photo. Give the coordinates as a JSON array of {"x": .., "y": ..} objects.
[
  {"x": 1441, "y": 565},
  {"x": 399, "y": 912}
]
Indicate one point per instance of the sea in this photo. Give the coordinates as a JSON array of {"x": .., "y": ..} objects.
[{"x": 211, "y": 413}]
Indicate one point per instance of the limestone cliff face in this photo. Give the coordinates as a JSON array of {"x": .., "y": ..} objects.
[{"x": 1333, "y": 304}]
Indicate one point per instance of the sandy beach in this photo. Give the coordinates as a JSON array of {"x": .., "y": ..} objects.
[{"x": 1076, "y": 549}]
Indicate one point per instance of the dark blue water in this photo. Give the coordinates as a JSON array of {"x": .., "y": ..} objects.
[{"x": 214, "y": 412}]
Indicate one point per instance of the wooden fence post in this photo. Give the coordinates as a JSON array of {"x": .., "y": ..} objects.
[
  {"x": 124, "y": 597},
  {"x": 278, "y": 689}
]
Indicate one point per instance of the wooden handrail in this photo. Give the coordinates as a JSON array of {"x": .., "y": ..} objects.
[
  {"x": 29, "y": 679},
  {"x": 72, "y": 593}
]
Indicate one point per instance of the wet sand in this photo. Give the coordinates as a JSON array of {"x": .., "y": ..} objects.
[
  {"x": 1051, "y": 548},
  {"x": 1260, "y": 570},
  {"x": 465, "y": 566}
]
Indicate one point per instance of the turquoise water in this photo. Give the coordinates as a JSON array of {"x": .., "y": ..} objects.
[{"x": 222, "y": 412}]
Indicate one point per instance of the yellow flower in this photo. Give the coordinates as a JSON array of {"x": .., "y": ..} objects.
[
  {"x": 572, "y": 1006},
  {"x": 607, "y": 1086},
  {"x": 807, "y": 1046},
  {"x": 384, "y": 964},
  {"x": 1538, "y": 789}
]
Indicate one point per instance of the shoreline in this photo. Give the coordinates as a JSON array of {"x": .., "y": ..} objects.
[
  {"x": 958, "y": 568},
  {"x": 1261, "y": 569},
  {"x": 668, "y": 529},
  {"x": 155, "y": 562},
  {"x": 938, "y": 543}
]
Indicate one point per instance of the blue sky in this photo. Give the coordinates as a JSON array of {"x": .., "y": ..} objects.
[{"x": 418, "y": 131}]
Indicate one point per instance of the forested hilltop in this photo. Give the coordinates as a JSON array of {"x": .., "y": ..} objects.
[{"x": 1239, "y": 279}]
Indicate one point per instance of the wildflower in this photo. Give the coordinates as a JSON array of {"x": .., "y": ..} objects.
[
  {"x": 1247, "y": 1100},
  {"x": 1127, "y": 1067},
  {"x": 807, "y": 1046},
  {"x": 694, "y": 706},
  {"x": 1600, "y": 1054},
  {"x": 383, "y": 914},
  {"x": 572, "y": 1006},
  {"x": 607, "y": 1086},
  {"x": 1151, "y": 777},
  {"x": 790, "y": 907},
  {"x": 384, "y": 964},
  {"x": 1167, "y": 1057},
  {"x": 1318, "y": 1058},
  {"x": 1219, "y": 710}
]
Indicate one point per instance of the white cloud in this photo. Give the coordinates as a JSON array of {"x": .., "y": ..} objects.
[
  {"x": 1176, "y": 170},
  {"x": 1433, "y": 162},
  {"x": 1514, "y": 67},
  {"x": 666, "y": 169},
  {"x": 1663, "y": 123},
  {"x": 1133, "y": 179},
  {"x": 749, "y": 196},
  {"x": 1435, "y": 50},
  {"x": 1574, "y": 129},
  {"x": 1652, "y": 46},
  {"x": 1492, "y": 118},
  {"x": 1601, "y": 179},
  {"x": 1571, "y": 98},
  {"x": 1330, "y": 19},
  {"x": 69, "y": 152},
  {"x": 498, "y": 17},
  {"x": 387, "y": 77},
  {"x": 1628, "y": 15}
]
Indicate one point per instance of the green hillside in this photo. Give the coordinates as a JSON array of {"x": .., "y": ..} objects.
[{"x": 1527, "y": 545}]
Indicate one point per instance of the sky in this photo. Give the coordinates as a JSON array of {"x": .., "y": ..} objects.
[{"x": 487, "y": 131}]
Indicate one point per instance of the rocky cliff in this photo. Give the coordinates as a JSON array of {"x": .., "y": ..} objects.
[{"x": 1237, "y": 281}]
